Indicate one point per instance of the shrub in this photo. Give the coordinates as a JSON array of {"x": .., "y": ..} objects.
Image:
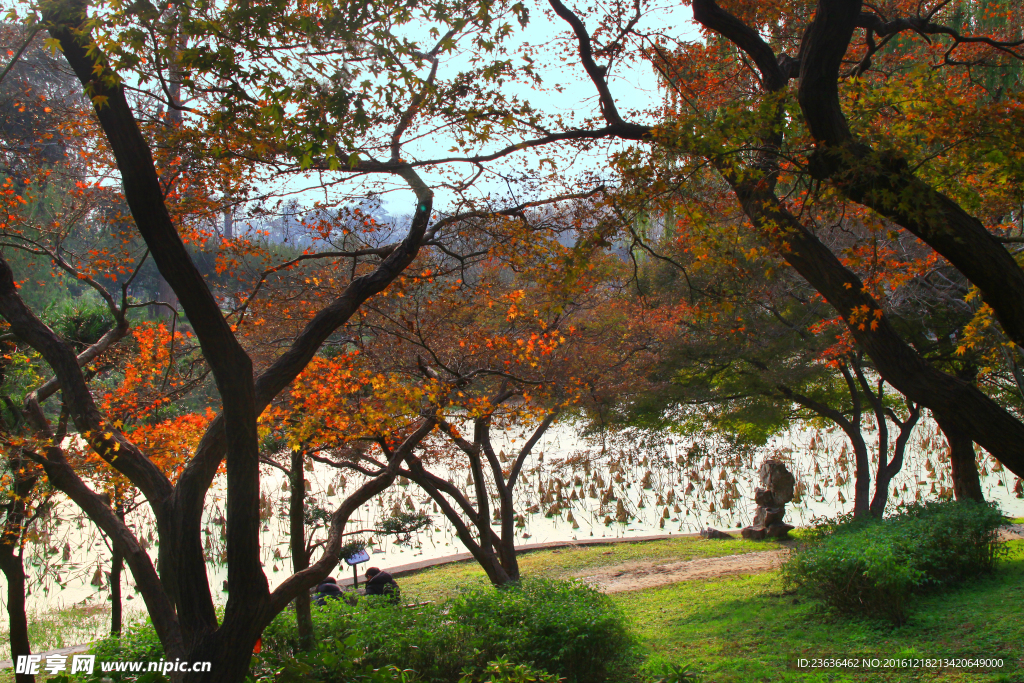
[
  {"x": 503, "y": 671},
  {"x": 550, "y": 627},
  {"x": 874, "y": 567},
  {"x": 537, "y": 630},
  {"x": 560, "y": 626},
  {"x": 138, "y": 642},
  {"x": 337, "y": 661}
]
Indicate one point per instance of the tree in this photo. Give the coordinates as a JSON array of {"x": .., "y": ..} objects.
[
  {"x": 239, "y": 112},
  {"x": 340, "y": 413},
  {"x": 526, "y": 343},
  {"x": 718, "y": 131},
  {"x": 749, "y": 348}
]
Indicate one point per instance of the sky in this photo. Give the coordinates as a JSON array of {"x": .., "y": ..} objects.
[{"x": 566, "y": 91}]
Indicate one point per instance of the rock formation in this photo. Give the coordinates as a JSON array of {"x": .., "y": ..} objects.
[{"x": 777, "y": 487}]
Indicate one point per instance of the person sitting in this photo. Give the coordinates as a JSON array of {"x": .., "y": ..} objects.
[
  {"x": 382, "y": 583},
  {"x": 327, "y": 590}
]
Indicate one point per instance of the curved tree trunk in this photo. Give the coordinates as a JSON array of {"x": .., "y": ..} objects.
[
  {"x": 822, "y": 51},
  {"x": 884, "y": 182}
]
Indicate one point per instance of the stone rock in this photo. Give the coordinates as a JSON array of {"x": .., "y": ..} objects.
[
  {"x": 778, "y": 486},
  {"x": 715, "y": 534},
  {"x": 778, "y": 530},
  {"x": 773, "y": 515}
]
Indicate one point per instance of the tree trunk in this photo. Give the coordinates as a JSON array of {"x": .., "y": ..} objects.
[
  {"x": 434, "y": 485},
  {"x": 862, "y": 481},
  {"x": 300, "y": 557},
  {"x": 483, "y": 508},
  {"x": 966, "y": 481},
  {"x": 229, "y": 651},
  {"x": 959, "y": 402},
  {"x": 116, "y": 563},
  {"x": 14, "y": 572},
  {"x": 822, "y": 51},
  {"x": 888, "y": 470},
  {"x": 885, "y": 183},
  {"x": 507, "y": 546}
]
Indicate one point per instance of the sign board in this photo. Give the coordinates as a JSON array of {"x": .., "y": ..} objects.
[{"x": 358, "y": 558}]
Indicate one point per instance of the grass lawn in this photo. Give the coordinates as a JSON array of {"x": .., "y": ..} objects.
[
  {"x": 440, "y": 582},
  {"x": 747, "y": 629}
]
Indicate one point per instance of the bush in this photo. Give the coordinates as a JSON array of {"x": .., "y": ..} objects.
[
  {"x": 874, "y": 567},
  {"x": 550, "y": 627},
  {"x": 81, "y": 321},
  {"x": 138, "y": 642},
  {"x": 503, "y": 671},
  {"x": 537, "y": 630}
]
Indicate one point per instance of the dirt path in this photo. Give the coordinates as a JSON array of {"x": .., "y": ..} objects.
[
  {"x": 640, "y": 575},
  {"x": 633, "y": 576}
]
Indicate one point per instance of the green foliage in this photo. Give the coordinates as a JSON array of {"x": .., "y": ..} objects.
[
  {"x": 553, "y": 626},
  {"x": 503, "y": 671},
  {"x": 137, "y": 643},
  {"x": 404, "y": 524},
  {"x": 106, "y": 677},
  {"x": 351, "y": 548},
  {"x": 874, "y": 568},
  {"x": 677, "y": 673},
  {"x": 81, "y": 321},
  {"x": 330, "y": 661}
]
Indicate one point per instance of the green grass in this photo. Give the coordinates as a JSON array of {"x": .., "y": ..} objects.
[
  {"x": 746, "y": 629},
  {"x": 440, "y": 582}
]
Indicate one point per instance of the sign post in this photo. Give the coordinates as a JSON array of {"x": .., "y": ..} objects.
[{"x": 355, "y": 559}]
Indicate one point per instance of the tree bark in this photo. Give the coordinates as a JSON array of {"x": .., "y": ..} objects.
[
  {"x": 116, "y": 565},
  {"x": 14, "y": 573},
  {"x": 958, "y": 402},
  {"x": 885, "y": 183},
  {"x": 300, "y": 556},
  {"x": 962, "y": 462}
]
